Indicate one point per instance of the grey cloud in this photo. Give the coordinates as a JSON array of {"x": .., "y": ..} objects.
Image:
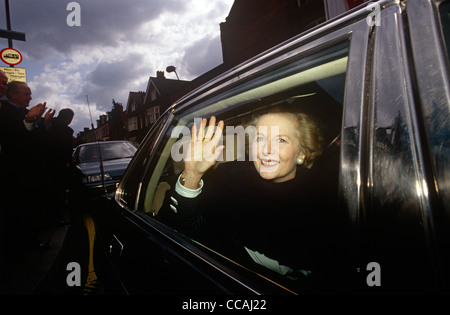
[
  {"x": 114, "y": 80},
  {"x": 103, "y": 23},
  {"x": 106, "y": 23},
  {"x": 202, "y": 56}
]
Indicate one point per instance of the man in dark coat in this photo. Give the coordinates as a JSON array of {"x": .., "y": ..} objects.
[
  {"x": 20, "y": 158},
  {"x": 59, "y": 147}
]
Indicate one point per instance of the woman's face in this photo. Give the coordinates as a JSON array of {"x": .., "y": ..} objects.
[{"x": 276, "y": 147}]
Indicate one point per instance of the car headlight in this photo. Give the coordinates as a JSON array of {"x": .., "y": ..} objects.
[{"x": 98, "y": 178}]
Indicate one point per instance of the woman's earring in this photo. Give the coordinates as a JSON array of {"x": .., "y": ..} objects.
[{"x": 300, "y": 160}]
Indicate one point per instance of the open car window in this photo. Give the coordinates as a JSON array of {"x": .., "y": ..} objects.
[{"x": 297, "y": 226}]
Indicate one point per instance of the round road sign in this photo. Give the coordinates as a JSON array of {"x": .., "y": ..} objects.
[{"x": 11, "y": 56}]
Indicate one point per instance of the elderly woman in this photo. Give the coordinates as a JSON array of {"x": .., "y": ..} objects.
[{"x": 271, "y": 210}]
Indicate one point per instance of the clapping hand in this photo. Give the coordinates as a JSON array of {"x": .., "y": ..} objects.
[
  {"x": 49, "y": 115},
  {"x": 36, "y": 111}
]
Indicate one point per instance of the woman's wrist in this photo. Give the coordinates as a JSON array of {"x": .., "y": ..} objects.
[
  {"x": 187, "y": 192},
  {"x": 190, "y": 179}
]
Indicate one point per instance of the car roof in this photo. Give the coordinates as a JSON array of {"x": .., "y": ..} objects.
[{"x": 100, "y": 142}]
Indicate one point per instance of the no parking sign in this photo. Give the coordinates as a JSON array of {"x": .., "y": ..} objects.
[{"x": 11, "y": 56}]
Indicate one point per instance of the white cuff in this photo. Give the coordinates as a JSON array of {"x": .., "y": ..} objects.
[
  {"x": 267, "y": 262},
  {"x": 186, "y": 192},
  {"x": 29, "y": 126}
]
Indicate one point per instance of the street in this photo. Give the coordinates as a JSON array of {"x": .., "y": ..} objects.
[{"x": 73, "y": 272}]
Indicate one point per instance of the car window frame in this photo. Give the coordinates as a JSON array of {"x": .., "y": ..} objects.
[
  {"x": 212, "y": 106},
  {"x": 142, "y": 157},
  {"x": 357, "y": 33}
]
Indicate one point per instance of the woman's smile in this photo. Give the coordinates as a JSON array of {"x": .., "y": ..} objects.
[
  {"x": 269, "y": 163},
  {"x": 276, "y": 147}
]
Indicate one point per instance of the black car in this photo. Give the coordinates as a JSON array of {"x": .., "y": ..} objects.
[
  {"x": 379, "y": 81},
  {"x": 99, "y": 166}
]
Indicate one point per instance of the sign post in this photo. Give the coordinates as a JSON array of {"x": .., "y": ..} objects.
[{"x": 9, "y": 33}]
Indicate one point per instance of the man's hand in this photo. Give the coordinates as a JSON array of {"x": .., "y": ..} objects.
[
  {"x": 49, "y": 115},
  {"x": 36, "y": 111}
]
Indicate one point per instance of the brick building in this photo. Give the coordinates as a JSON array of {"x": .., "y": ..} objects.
[
  {"x": 144, "y": 108},
  {"x": 254, "y": 26}
]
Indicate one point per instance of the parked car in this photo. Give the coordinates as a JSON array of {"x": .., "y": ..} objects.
[
  {"x": 99, "y": 166},
  {"x": 378, "y": 78}
]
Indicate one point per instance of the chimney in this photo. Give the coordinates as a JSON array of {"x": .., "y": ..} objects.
[{"x": 160, "y": 74}]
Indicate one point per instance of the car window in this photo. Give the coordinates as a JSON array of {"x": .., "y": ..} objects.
[
  {"x": 293, "y": 239},
  {"x": 88, "y": 154},
  {"x": 109, "y": 151},
  {"x": 118, "y": 150}
]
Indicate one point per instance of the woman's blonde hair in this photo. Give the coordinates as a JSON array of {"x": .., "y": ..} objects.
[{"x": 308, "y": 129}]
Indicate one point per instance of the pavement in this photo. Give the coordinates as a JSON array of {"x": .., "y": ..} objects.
[{"x": 30, "y": 270}]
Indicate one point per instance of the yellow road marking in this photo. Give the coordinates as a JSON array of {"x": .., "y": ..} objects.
[{"x": 90, "y": 227}]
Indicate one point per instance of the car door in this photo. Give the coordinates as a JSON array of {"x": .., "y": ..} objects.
[
  {"x": 140, "y": 251},
  {"x": 430, "y": 54},
  {"x": 403, "y": 221},
  {"x": 326, "y": 67}
]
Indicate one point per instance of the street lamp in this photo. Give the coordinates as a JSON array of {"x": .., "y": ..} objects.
[{"x": 172, "y": 69}]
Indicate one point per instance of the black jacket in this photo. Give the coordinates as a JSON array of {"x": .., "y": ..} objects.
[
  {"x": 59, "y": 141},
  {"x": 21, "y": 158},
  {"x": 295, "y": 222},
  {"x": 19, "y": 146}
]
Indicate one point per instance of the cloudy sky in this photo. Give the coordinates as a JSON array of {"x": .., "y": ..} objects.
[{"x": 117, "y": 47}]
